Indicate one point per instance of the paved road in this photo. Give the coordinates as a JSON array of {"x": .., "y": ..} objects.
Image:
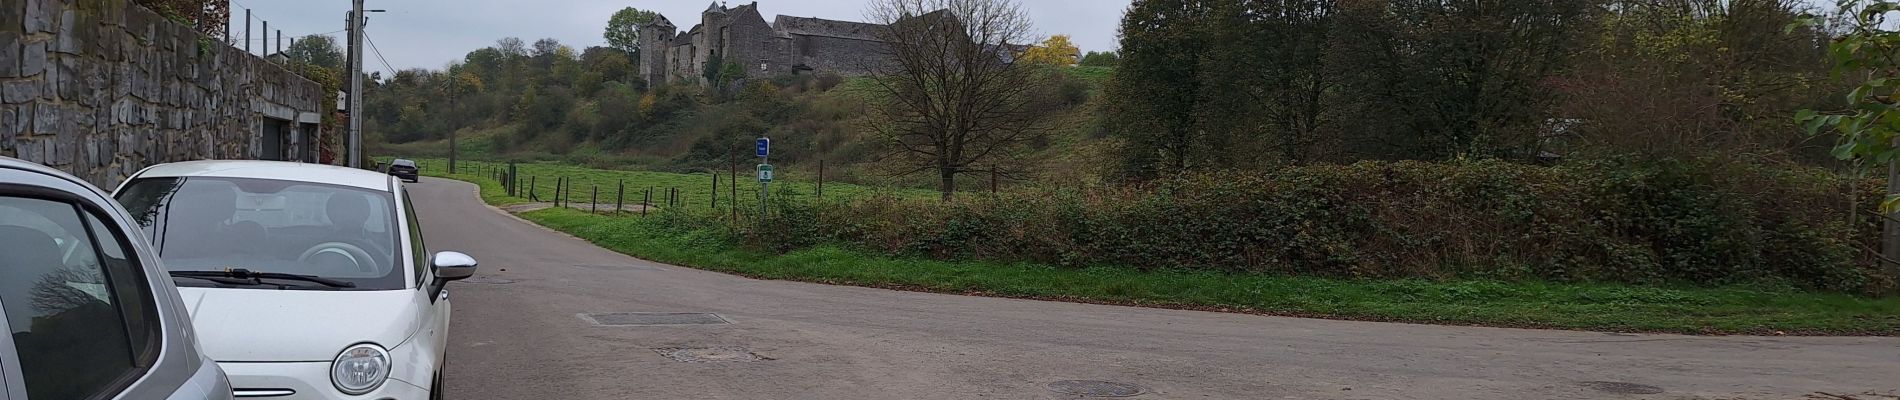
[{"x": 524, "y": 340}]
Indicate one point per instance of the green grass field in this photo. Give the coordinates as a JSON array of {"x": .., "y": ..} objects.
[{"x": 1607, "y": 307}]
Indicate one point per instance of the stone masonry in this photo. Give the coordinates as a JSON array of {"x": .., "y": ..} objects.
[
  {"x": 103, "y": 88},
  {"x": 788, "y": 45}
]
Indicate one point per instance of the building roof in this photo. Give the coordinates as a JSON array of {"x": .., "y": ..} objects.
[
  {"x": 686, "y": 38},
  {"x": 660, "y": 20},
  {"x": 289, "y": 171},
  {"x": 805, "y": 26}
]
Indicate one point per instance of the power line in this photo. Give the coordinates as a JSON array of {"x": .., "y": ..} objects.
[
  {"x": 379, "y": 54},
  {"x": 297, "y": 36}
]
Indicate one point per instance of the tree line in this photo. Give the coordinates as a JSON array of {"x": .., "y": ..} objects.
[{"x": 1217, "y": 84}]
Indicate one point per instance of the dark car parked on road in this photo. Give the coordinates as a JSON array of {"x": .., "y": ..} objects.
[{"x": 404, "y": 169}]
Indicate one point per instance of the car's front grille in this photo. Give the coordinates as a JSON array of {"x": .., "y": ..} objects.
[{"x": 256, "y": 392}]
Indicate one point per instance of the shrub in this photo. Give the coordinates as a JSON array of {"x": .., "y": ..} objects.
[{"x": 1627, "y": 221}]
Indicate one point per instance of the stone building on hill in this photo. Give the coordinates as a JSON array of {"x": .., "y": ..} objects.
[{"x": 740, "y": 35}]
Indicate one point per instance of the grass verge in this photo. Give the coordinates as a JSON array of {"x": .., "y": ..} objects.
[{"x": 1581, "y": 306}]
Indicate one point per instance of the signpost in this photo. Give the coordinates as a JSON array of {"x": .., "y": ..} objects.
[{"x": 765, "y": 173}]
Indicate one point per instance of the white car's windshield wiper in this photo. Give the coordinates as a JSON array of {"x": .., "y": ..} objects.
[{"x": 240, "y": 276}]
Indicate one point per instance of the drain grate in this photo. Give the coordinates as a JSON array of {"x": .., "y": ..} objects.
[
  {"x": 483, "y": 280},
  {"x": 1621, "y": 387},
  {"x": 654, "y": 319},
  {"x": 709, "y": 354},
  {"x": 1095, "y": 388}
]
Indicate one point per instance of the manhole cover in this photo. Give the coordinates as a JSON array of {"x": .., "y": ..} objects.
[
  {"x": 1621, "y": 387},
  {"x": 709, "y": 354},
  {"x": 483, "y": 280},
  {"x": 654, "y": 319},
  {"x": 1095, "y": 388}
]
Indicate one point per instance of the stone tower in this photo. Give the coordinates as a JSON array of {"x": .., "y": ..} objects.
[{"x": 655, "y": 41}]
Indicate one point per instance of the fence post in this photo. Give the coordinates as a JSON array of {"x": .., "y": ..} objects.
[
  {"x": 620, "y": 196},
  {"x": 821, "y": 178},
  {"x": 567, "y": 195},
  {"x": 992, "y": 178},
  {"x": 735, "y": 191},
  {"x": 646, "y": 202},
  {"x": 715, "y": 192},
  {"x": 531, "y": 196},
  {"x": 559, "y": 195},
  {"x": 593, "y": 203}
]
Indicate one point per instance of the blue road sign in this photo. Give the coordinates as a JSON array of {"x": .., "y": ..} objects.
[{"x": 765, "y": 147}]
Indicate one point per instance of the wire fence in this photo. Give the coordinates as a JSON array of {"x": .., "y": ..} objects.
[{"x": 634, "y": 193}]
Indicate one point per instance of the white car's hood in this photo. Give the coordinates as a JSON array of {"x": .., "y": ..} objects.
[{"x": 256, "y": 325}]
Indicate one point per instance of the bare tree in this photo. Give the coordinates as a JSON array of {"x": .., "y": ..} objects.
[{"x": 956, "y": 98}]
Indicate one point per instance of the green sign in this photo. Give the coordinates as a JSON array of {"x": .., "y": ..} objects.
[{"x": 765, "y": 172}]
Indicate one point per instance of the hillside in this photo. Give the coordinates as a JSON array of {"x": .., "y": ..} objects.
[{"x": 811, "y": 119}]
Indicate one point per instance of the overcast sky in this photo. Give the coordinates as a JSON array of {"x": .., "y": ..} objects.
[{"x": 431, "y": 33}]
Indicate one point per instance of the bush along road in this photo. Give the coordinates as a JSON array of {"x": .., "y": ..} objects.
[{"x": 1584, "y": 256}]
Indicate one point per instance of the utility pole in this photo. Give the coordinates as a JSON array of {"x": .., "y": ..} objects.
[{"x": 356, "y": 84}]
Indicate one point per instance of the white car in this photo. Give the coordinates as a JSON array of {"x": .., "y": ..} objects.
[{"x": 304, "y": 281}]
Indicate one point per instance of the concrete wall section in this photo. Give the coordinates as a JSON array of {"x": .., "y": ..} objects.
[{"x": 103, "y": 88}]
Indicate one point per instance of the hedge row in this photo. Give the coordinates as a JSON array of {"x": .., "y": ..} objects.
[{"x": 1606, "y": 220}]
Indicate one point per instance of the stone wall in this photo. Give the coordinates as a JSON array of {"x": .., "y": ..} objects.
[
  {"x": 103, "y": 88},
  {"x": 844, "y": 56}
]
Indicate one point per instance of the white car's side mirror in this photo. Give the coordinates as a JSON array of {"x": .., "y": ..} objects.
[{"x": 451, "y": 266}]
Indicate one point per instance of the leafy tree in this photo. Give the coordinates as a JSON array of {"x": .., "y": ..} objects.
[
  {"x": 1101, "y": 59},
  {"x": 710, "y": 71},
  {"x": 1276, "y": 87},
  {"x": 318, "y": 50},
  {"x": 600, "y": 65},
  {"x": 623, "y": 30},
  {"x": 1462, "y": 85},
  {"x": 1678, "y": 78},
  {"x": 511, "y": 47},
  {"x": 1870, "y": 126},
  {"x": 1158, "y": 85},
  {"x": 1057, "y": 50}
]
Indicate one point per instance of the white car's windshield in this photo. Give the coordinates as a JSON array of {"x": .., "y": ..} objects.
[{"x": 261, "y": 225}]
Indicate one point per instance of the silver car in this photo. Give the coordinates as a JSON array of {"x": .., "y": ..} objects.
[{"x": 90, "y": 312}]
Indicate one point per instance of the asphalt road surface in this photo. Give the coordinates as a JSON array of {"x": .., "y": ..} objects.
[{"x": 517, "y": 334}]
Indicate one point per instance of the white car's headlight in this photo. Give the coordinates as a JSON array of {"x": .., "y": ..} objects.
[{"x": 360, "y": 369}]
